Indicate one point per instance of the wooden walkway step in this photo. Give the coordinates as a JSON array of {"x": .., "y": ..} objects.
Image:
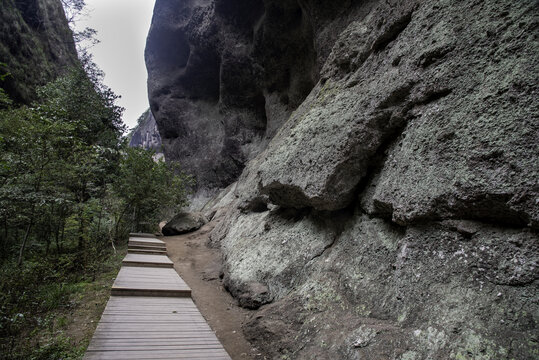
[
  {"x": 145, "y": 241},
  {"x": 153, "y": 328},
  {"x": 146, "y": 235},
  {"x": 147, "y": 247},
  {"x": 150, "y": 260},
  {"x": 147, "y": 251},
  {"x": 149, "y": 281}
]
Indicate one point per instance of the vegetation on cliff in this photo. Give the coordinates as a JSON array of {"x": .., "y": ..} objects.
[{"x": 36, "y": 45}]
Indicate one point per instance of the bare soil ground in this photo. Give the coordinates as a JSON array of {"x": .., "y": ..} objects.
[{"x": 200, "y": 267}]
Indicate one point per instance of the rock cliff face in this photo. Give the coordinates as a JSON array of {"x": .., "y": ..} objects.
[
  {"x": 146, "y": 135},
  {"x": 36, "y": 45},
  {"x": 388, "y": 202},
  {"x": 224, "y": 75}
]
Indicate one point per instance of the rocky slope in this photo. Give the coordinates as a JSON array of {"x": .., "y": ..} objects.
[
  {"x": 388, "y": 202},
  {"x": 36, "y": 45}
]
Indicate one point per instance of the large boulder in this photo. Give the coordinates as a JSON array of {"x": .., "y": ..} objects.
[{"x": 184, "y": 222}]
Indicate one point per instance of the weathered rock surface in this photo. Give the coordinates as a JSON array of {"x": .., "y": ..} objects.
[
  {"x": 382, "y": 291},
  {"x": 36, "y": 45},
  {"x": 454, "y": 105},
  {"x": 394, "y": 213},
  {"x": 184, "y": 222},
  {"x": 285, "y": 240},
  {"x": 146, "y": 134},
  {"x": 224, "y": 75}
]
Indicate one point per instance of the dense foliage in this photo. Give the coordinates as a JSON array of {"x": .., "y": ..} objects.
[{"x": 70, "y": 191}]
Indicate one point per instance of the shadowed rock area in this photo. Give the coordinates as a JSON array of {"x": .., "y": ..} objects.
[
  {"x": 387, "y": 196},
  {"x": 36, "y": 45},
  {"x": 224, "y": 75}
]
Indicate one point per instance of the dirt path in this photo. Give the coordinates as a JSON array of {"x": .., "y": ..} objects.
[{"x": 200, "y": 266}]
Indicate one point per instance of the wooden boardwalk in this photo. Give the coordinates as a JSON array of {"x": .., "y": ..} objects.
[{"x": 151, "y": 315}]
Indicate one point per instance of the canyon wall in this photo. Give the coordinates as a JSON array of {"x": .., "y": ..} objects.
[
  {"x": 384, "y": 157},
  {"x": 145, "y": 134},
  {"x": 36, "y": 45},
  {"x": 224, "y": 75}
]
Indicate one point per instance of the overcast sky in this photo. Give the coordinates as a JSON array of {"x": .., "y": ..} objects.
[{"x": 122, "y": 27}]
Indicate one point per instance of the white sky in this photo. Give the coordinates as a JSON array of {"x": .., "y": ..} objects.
[{"x": 122, "y": 27}]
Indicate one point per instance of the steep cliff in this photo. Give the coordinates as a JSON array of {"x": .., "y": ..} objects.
[
  {"x": 224, "y": 75},
  {"x": 36, "y": 45},
  {"x": 146, "y": 135},
  {"x": 388, "y": 202}
]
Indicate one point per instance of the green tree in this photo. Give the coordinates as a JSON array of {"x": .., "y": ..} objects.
[
  {"x": 31, "y": 147},
  {"x": 147, "y": 188},
  {"x": 56, "y": 156}
]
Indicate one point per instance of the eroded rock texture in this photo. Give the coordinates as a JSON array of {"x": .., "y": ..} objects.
[
  {"x": 146, "y": 134},
  {"x": 391, "y": 206},
  {"x": 36, "y": 45},
  {"x": 224, "y": 75}
]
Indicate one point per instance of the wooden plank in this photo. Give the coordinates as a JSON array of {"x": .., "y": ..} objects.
[
  {"x": 150, "y": 334},
  {"x": 145, "y": 241},
  {"x": 146, "y": 235},
  {"x": 133, "y": 346},
  {"x": 137, "y": 281},
  {"x": 145, "y": 292},
  {"x": 147, "y": 260},
  {"x": 153, "y": 342},
  {"x": 153, "y": 354},
  {"x": 147, "y": 251},
  {"x": 165, "y": 304},
  {"x": 147, "y": 247},
  {"x": 141, "y": 264}
]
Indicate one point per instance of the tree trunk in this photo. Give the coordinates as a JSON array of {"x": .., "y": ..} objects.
[
  {"x": 118, "y": 220},
  {"x": 5, "y": 237},
  {"x": 81, "y": 229},
  {"x": 47, "y": 243},
  {"x": 47, "y": 235},
  {"x": 63, "y": 232},
  {"x": 24, "y": 241},
  {"x": 99, "y": 220},
  {"x": 135, "y": 216},
  {"x": 57, "y": 236}
]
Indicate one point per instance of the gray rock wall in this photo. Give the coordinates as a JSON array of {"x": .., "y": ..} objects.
[
  {"x": 146, "y": 134},
  {"x": 394, "y": 213},
  {"x": 224, "y": 75}
]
